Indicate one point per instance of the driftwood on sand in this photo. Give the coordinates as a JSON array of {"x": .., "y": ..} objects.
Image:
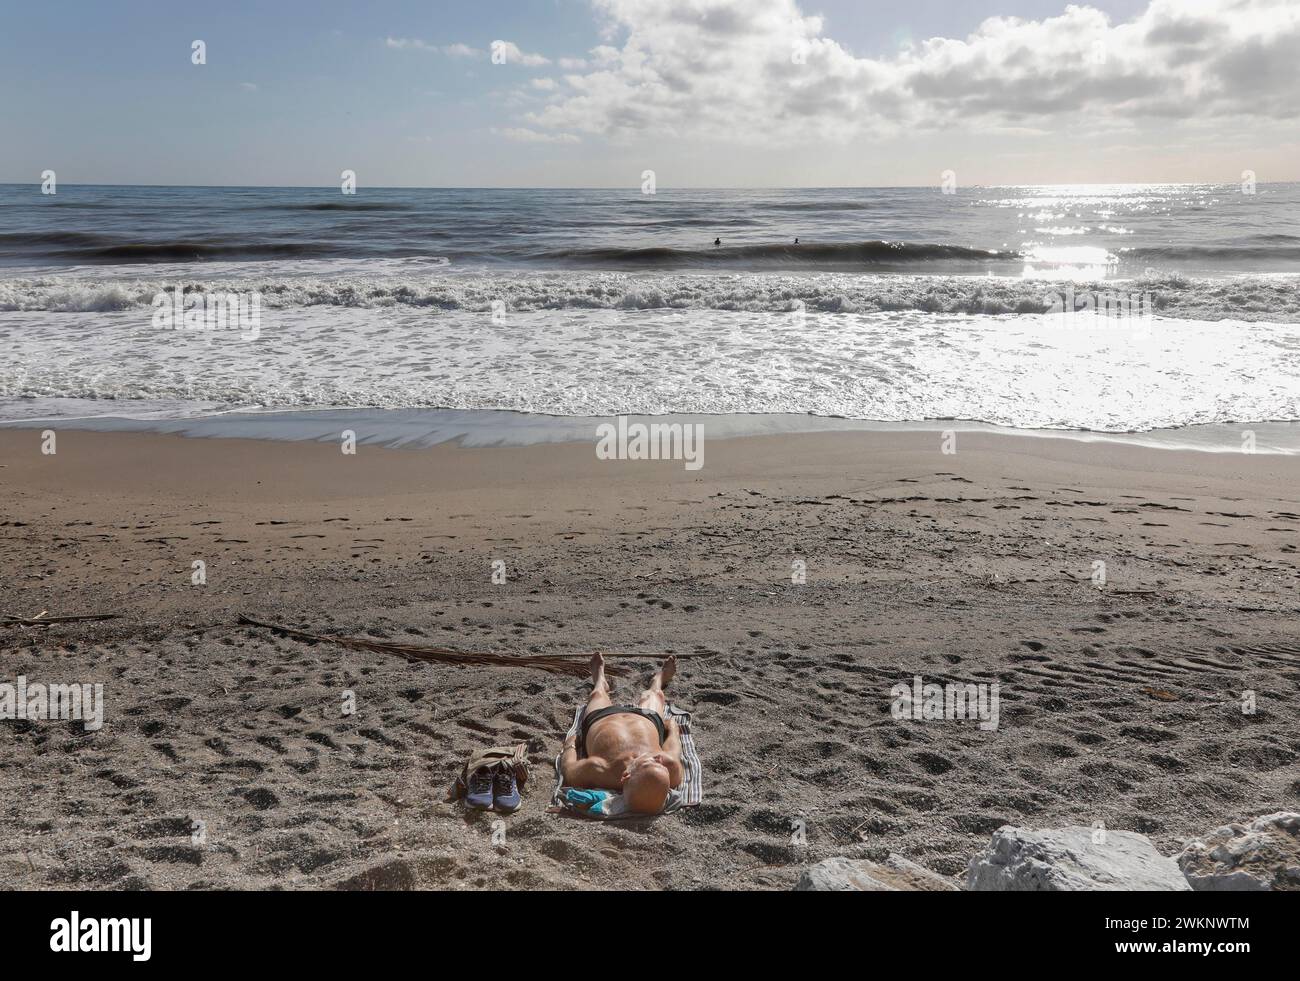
[
  {"x": 574, "y": 664},
  {"x": 43, "y": 620}
]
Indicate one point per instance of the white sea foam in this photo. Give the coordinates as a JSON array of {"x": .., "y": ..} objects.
[
  {"x": 429, "y": 285},
  {"x": 1025, "y": 371}
]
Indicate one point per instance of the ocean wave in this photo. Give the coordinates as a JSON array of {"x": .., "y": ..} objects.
[
  {"x": 1235, "y": 255},
  {"x": 819, "y": 255},
  {"x": 21, "y": 240},
  {"x": 1274, "y": 237},
  {"x": 93, "y": 247},
  {"x": 187, "y": 251},
  {"x": 705, "y": 222},
  {"x": 88, "y": 247},
  {"x": 1267, "y": 298},
  {"x": 1259, "y": 252}
]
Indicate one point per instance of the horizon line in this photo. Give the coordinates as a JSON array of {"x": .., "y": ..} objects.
[{"x": 634, "y": 186}]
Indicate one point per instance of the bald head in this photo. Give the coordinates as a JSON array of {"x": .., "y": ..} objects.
[{"x": 646, "y": 790}]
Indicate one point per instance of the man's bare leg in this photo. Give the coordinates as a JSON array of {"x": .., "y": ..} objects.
[
  {"x": 599, "y": 684},
  {"x": 653, "y": 697}
]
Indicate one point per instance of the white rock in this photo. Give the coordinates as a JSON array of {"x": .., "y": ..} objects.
[
  {"x": 894, "y": 874},
  {"x": 1069, "y": 860},
  {"x": 1260, "y": 856}
]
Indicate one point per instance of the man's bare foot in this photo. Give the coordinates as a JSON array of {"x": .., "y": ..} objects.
[
  {"x": 597, "y": 670},
  {"x": 667, "y": 670}
]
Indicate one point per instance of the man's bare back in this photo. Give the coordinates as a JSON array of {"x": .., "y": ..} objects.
[{"x": 624, "y": 748}]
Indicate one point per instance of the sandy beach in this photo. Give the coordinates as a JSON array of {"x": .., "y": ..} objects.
[{"x": 1120, "y": 700}]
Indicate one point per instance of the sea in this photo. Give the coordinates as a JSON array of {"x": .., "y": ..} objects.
[{"x": 1128, "y": 308}]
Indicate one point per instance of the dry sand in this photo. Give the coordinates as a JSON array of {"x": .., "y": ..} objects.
[{"x": 1118, "y": 704}]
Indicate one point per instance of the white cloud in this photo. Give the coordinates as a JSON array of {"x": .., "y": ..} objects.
[
  {"x": 460, "y": 50},
  {"x": 544, "y": 84},
  {"x": 408, "y": 43},
  {"x": 504, "y": 52},
  {"x": 761, "y": 71},
  {"x": 522, "y": 135},
  {"x": 248, "y": 86},
  {"x": 457, "y": 50}
]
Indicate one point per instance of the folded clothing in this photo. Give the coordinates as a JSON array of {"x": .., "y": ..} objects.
[{"x": 493, "y": 757}]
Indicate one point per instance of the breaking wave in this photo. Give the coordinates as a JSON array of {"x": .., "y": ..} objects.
[{"x": 1259, "y": 298}]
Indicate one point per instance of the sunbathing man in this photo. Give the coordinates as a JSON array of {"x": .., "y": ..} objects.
[{"x": 632, "y": 748}]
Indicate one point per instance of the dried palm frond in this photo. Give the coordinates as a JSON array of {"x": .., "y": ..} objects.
[{"x": 575, "y": 665}]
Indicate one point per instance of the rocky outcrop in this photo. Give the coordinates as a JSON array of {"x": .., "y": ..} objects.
[
  {"x": 1259, "y": 856},
  {"x": 1071, "y": 860}
]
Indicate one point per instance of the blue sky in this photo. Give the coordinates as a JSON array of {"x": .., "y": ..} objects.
[{"x": 701, "y": 91}]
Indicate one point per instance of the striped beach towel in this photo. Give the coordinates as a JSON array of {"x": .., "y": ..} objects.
[{"x": 689, "y": 794}]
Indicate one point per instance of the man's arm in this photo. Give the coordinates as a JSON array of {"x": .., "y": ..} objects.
[{"x": 575, "y": 771}]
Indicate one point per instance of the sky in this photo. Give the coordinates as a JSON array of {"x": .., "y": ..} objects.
[{"x": 592, "y": 93}]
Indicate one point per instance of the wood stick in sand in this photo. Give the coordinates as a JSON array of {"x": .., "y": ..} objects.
[
  {"x": 41, "y": 620},
  {"x": 574, "y": 664}
]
